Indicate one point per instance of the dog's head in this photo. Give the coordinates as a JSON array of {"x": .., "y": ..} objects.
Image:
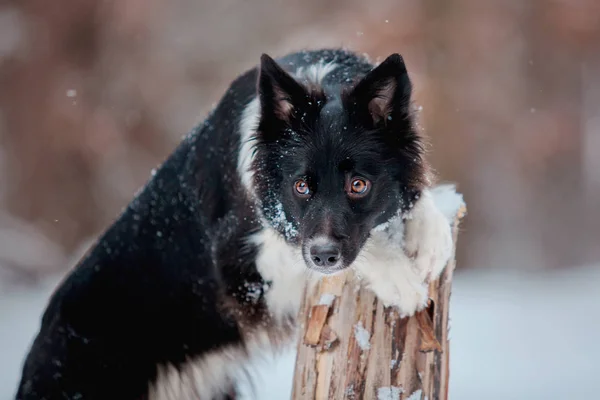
[{"x": 333, "y": 162}]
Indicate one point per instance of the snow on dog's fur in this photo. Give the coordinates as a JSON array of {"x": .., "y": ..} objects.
[{"x": 308, "y": 165}]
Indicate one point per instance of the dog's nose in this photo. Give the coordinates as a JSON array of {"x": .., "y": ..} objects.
[{"x": 325, "y": 255}]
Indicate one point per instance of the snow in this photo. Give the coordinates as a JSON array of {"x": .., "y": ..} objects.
[
  {"x": 389, "y": 393},
  {"x": 20, "y": 314},
  {"x": 326, "y": 299},
  {"x": 362, "y": 336},
  {"x": 515, "y": 335},
  {"x": 253, "y": 291},
  {"x": 280, "y": 220},
  {"x": 416, "y": 395},
  {"x": 447, "y": 200},
  {"x": 529, "y": 334}
]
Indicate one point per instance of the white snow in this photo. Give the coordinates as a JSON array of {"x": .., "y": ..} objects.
[
  {"x": 416, "y": 395},
  {"x": 526, "y": 335},
  {"x": 515, "y": 335},
  {"x": 326, "y": 299},
  {"x": 282, "y": 221},
  {"x": 389, "y": 393},
  {"x": 20, "y": 314},
  {"x": 447, "y": 199},
  {"x": 362, "y": 336}
]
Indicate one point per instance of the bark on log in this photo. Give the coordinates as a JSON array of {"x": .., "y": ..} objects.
[{"x": 352, "y": 347}]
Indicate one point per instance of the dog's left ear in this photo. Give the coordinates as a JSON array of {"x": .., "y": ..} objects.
[
  {"x": 383, "y": 95},
  {"x": 279, "y": 93}
]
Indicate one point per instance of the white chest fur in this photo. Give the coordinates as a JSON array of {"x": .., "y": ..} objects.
[
  {"x": 209, "y": 376},
  {"x": 283, "y": 266},
  {"x": 206, "y": 377}
]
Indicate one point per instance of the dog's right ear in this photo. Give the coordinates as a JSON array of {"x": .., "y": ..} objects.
[{"x": 280, "y": 94}]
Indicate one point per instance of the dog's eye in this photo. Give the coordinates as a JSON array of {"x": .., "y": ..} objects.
[
  {"x": 359, "y": 187},
  {"x": 302, "y": 188}
]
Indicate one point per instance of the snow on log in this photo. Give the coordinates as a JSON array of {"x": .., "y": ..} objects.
[{"x": 352, "y": 347}]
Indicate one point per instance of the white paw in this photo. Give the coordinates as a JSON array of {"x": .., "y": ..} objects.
[
  {"x": 428, "y": 238},
  {"x": 389, "y": 273},
  {"x": 406, "y": 295}
]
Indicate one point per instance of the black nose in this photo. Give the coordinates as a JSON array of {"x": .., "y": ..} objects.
[{"x": 325, "y": 255}]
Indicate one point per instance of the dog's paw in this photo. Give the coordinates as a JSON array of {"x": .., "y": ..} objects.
[
  {"x": 428, "y": 238},
  {"x": 407, "y": 296},
  {"x": 390, "y": 275}
]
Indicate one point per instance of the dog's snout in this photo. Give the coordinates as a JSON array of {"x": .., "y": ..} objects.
[{"x": 325, "y": 254}]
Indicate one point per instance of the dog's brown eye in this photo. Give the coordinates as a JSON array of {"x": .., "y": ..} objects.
[
  {"x": 302, "y": 187},
  {"x": 359, "y": 187}
]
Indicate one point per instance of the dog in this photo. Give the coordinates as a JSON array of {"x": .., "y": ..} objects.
[{"x": 308, "y": 165}]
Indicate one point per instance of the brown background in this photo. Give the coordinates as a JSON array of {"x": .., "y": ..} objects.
[{"x": 93, "y": 94}]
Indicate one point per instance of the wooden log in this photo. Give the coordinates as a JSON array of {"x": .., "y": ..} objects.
[{"x": 352, "y": 347}]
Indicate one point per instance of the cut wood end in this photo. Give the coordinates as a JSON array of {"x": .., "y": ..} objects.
[
  {"x": 328, "y": 339},
  {"x": 428, "y": 340},
  {"x": 333, "y": 284},
  {"x": 315, "y": 323}
]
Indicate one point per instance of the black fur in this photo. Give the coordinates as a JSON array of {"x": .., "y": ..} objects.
[
  {"x": 160, "y": 285},
  {"x": 333, "y": 133}
]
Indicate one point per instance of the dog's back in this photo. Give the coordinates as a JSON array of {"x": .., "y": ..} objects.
[{"x": 164, "y": 304}]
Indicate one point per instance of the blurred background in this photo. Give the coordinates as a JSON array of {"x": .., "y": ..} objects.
[{"x": 94, "y": 94}]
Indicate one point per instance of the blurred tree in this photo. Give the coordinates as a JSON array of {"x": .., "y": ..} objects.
[{"x": 94, "y": 94}]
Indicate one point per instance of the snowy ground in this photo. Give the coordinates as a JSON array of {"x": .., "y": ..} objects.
[{"x": 514, "y": 336}]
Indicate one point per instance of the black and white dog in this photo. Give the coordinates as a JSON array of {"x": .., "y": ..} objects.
[{"x": 307, "y": 166}]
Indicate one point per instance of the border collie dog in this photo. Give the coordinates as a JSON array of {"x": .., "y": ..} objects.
[{"x": 308, "y": 165}]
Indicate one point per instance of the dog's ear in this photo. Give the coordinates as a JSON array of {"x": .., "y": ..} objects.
[
  {"x": 279, "y": 93},
  {"x": 383, "y": 96}
]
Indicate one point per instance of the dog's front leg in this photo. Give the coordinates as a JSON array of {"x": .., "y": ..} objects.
[
  {"x": 398, "y": 262},
  {"x": 428, "y": 238}
]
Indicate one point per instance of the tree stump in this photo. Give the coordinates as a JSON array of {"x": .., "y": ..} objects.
[{"x": 352, "y": 347}]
